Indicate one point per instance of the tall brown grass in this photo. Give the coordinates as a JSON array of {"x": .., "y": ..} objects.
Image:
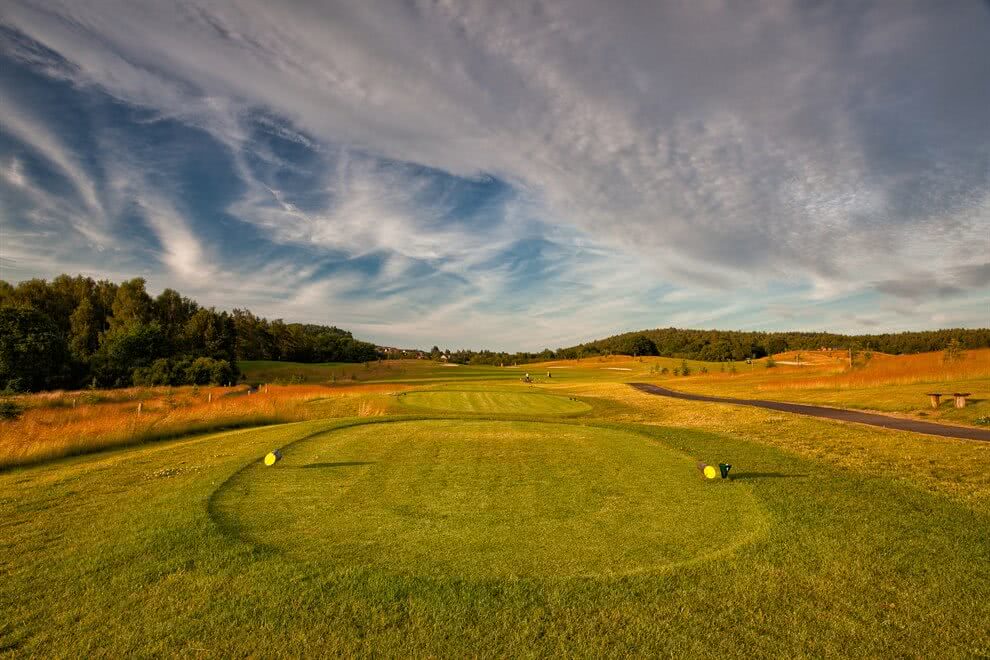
[
  {"x": 891, "y": 370},
  {"x": 59, "y": 424}
]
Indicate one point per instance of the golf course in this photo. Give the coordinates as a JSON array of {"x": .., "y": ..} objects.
[
  {"x": 494, "y": 329},
  {"x": 433, "y": 516}
]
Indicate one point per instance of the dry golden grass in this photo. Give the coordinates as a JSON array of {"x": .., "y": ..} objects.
[
  {"x": 881, "y": 370},
  {"x": 57, "y": 424},
  {"x": 888, "y": 383}
]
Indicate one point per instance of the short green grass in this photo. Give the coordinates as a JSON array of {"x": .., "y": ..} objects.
[
  {"x": 494, "y": 401},
  {"x": 388, "y": 371},
  {"x": 191, "y": 548},
  {"x": 453, "y": 499}
]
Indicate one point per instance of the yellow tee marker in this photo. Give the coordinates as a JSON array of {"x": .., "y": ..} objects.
[
  {"x": 710, "y": 472},
  {"x": 272, "y": 457}
]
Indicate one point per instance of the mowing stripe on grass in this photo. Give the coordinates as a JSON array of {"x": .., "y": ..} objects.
[
  {"x": 482, "y": 499},
  {"x": 489, "y": 401}
]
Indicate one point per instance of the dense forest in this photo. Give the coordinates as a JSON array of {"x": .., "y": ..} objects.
[
  {"x": 726, "y": 345},
  {"x": 74, "y": 332},
  {"x": 723, "y": 345},
  {"x": 77, "y": 332}
]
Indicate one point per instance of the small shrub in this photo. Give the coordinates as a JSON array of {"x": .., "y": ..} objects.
[
  {"x": 732, "y": 369},
  {"x": 771, "y": 363},
  {"x": 159, "y": 373},
  {"x": 10, "y": 409},
  {"x": 664, "y": 371},
  {"x": 221, "y": 372},
  {"x": 704, "y": 370},
  {"x": 985, "y": 420},
  {"x": 685, "y": 369},
  {"x": 954, "y": 351},
  {"x": 14, "y": 386}
]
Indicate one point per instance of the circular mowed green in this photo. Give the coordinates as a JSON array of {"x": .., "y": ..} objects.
[
  {"x": 513, "y": 403},
  {"x": 456, "y": 498}
]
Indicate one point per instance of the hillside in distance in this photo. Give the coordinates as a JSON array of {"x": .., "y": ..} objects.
[{"x": 728, "y": 345}]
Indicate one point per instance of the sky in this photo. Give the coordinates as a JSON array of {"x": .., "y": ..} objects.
[{"x": 509, "y": 175}]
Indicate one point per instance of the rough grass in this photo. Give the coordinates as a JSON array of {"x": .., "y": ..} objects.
[
  {"x": 888, "y": 383},
  {"x": 134, "y": 553},
  {"x": 951, "y": 467},
  {"x": 62, "y": 424}
]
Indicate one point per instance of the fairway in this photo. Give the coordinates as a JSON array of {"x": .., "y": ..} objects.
[
  {"x": 465, "y": 537},
  {"x": 476, "y": 499},
  {"x": 510, "y": 403}
]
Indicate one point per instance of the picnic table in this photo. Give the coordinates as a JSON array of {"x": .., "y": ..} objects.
[{"x": 960, "y": 399}]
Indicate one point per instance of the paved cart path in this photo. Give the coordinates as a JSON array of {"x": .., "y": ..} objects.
[{"x": 841, "y": 414}]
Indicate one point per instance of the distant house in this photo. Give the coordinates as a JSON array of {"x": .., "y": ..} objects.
[{"x": 444, "y": 357}]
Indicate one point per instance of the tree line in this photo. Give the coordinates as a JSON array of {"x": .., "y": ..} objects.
[
  {"x": 75, "y": 331},
  {"x": 730, "y": 345}
]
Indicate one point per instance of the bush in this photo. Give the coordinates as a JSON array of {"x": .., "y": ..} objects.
[
  {"x": 685, "y": 369},
  {"x": 953, "y": 351},
  {"x": 10, "y": 409},
  {"x": 771, "y": 363},
  {"x": 641, "y": 345},
  {"x": 221, "y": 372},
  {"x": 159, "y": 373},
  {"x": 201, "y": 371},
  {"x": 125, "y": 348}
]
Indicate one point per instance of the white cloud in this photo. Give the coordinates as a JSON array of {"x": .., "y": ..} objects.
[
  {"x": 707, "y": 146},
  {"x": 92, "y": 221}
]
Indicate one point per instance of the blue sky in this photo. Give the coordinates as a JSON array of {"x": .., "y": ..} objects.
[{"x": 508, "y": 175}]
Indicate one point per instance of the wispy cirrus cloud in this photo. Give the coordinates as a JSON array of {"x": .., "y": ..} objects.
[{"x": 511, "y": 174}]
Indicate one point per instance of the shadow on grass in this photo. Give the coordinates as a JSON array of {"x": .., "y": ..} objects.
[
  {"x": 765, "y": 475},
  {"x": 340, "y": 464}
]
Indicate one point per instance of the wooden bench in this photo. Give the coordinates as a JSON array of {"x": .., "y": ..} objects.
[
  {"x": 961, "y": 399},
  {"x": 935, "y": 398}
]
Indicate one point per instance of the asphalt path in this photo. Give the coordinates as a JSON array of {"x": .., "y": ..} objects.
[{"x": 841, "y": 414}]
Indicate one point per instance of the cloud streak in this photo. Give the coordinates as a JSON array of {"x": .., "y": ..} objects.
[{"x": 521, "y": 173}]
